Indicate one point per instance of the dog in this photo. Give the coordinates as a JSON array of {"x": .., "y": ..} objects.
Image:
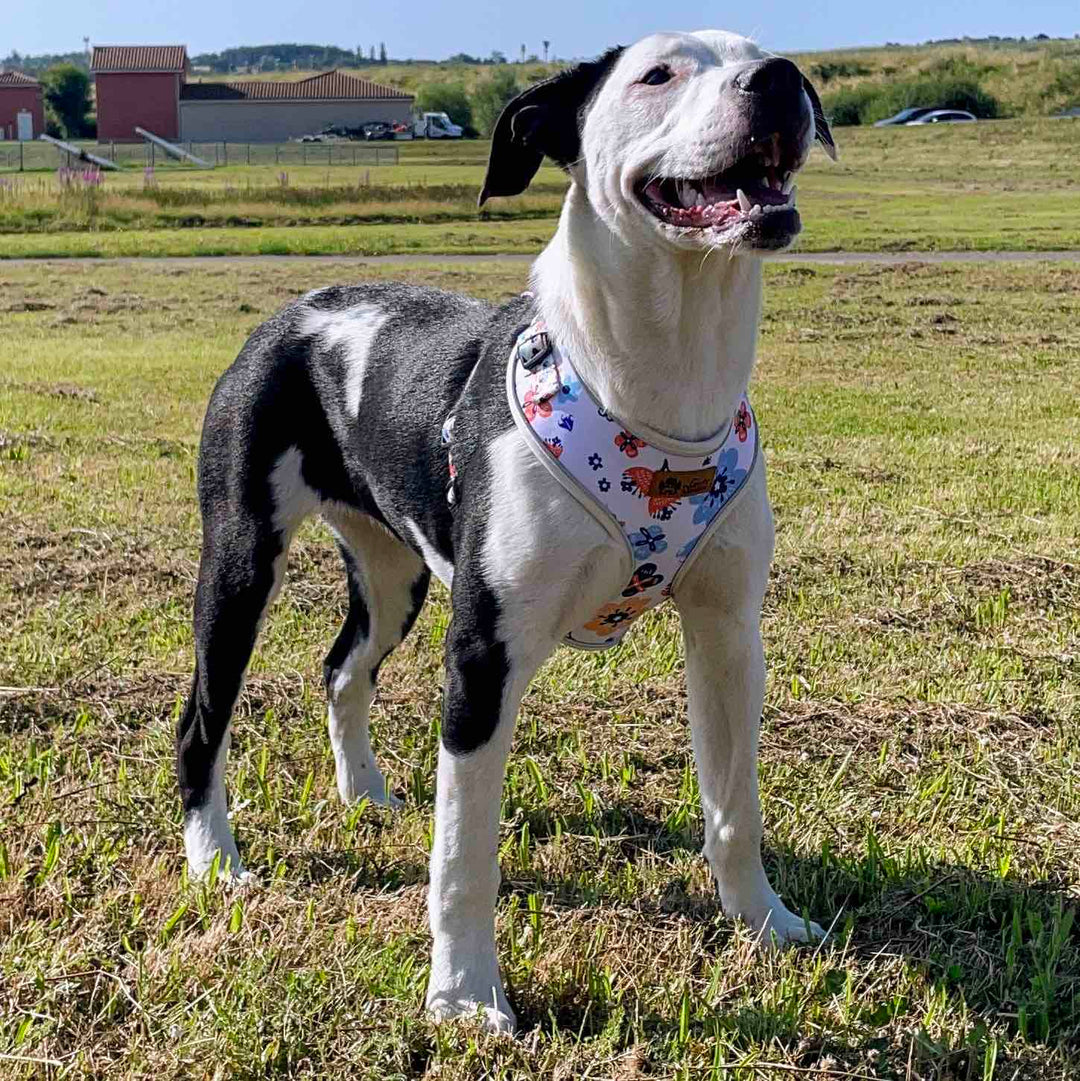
[{"x": 388, "y": 410}]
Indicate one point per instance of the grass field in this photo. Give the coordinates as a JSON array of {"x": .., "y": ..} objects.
[
  {"x": 920, "y": 759},
  {"x": 1003, "y": 185}
]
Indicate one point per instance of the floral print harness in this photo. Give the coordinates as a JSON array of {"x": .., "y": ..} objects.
[{"x": 660, "y": 498}]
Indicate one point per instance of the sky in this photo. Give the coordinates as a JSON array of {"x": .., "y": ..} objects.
[{"x": 430, "y": 29}]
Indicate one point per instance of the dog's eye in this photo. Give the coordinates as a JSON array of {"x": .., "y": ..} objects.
[{"x": 656, "y": 76}]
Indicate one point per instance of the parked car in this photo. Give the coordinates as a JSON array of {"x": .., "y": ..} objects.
[
  {"x": 943, "y": 116},
  {"x": 378, "y": 129},
  {"x": 437, "y": 126},
  {"x": 905, "y": 116}
]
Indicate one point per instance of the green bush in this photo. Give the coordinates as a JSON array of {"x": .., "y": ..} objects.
[
  {"x": 449, "y": 98},
  {"x": 491, "y": 97},
  {"x": 938, "y": 92},
  {"x": 67, "y": 95},
  {"x": 847, "y": 105},
  {"x": 865, "y": 103}
]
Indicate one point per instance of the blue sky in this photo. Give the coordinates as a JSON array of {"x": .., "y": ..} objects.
[{"x": 433, "y": 29}]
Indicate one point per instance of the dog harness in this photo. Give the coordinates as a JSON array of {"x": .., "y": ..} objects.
[{"x": 660, "y": 498}]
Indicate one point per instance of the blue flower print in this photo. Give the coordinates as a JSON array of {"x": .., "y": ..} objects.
[
  {"x": 569, "y": 391},
  {"x": 687, "y": 548},
  {"x": 627, "y": 485},
  {"x": 648, "y": 540},
  {"x": 596, "y": 462},
  {"x": 727, "y": 480},
  {"x": 567, "y": 421},
  {"x": 604, "y": 484},
  {"x": 664, "y": 514}
]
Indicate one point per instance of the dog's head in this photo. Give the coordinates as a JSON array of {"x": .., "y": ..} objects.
[{"x": 692, "y": 140}]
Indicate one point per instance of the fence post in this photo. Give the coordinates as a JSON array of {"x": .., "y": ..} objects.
[
  {"x": 249, "y": 153},
  {"x": 225, "y": 151},
  {"x": 304, "y": 145},
  {"x": 277, "y": 157}
]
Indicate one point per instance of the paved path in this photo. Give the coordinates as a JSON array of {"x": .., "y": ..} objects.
[{"x": 822, "y": 258}]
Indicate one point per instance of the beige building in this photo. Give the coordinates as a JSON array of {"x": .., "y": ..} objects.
[{"x": 277, "y": 111}]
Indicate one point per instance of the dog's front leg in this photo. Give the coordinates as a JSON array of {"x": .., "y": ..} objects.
[
  {"x": 484, "y": 685},
  {"x": 720, "y": 605}
]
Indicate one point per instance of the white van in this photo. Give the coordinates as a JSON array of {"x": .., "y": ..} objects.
[{"x": 436, "y": 126}]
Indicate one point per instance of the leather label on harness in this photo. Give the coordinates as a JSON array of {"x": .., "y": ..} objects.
[{"x": 673, "y": 484}]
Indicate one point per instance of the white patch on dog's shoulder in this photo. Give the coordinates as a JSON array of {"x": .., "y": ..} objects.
[
  {"x": 442, "y": 568},
  {"x": 354, "y": 328}
]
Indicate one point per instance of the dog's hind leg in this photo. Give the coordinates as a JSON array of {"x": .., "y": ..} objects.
[
  {"x": 720, "y": 605},
  {"x": 248, "y": 524},
  {"x": 387, "y": 587}
]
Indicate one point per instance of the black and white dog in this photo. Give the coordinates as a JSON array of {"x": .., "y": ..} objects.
[{"x": 680, "y": 151}]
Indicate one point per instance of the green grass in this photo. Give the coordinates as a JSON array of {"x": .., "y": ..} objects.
[
  {"x": 920, "y": 753},
  {"x": 1007, "y": 185}
]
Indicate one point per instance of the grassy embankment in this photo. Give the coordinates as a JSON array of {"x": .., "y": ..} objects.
[
  {"x": 1031, "y": 78},
  {"x": 1008, "y": 185},
  {"x": 920, "y": 759}
]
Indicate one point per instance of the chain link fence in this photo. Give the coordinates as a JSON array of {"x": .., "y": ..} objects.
[{"x": 29, "y": 156}]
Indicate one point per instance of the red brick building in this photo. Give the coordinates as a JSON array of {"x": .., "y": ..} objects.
[
  {"x": 22, "y": 106},
  {"x": 138, "y": 86}
]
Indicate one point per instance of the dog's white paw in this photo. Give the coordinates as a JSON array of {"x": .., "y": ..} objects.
[
  {"x": 773, "y": 923},
  {"x": 357, "y": 784},
  {"x": 495, "y": 1019}
]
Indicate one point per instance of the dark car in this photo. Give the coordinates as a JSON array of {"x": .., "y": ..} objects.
[
  {"x": 378, "y": 129},
  {"x": 905, "y": 116}
]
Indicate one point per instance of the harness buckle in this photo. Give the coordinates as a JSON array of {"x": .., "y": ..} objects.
[{"x": 533, "y": 350}]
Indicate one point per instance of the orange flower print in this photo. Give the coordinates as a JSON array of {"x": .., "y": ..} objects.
[
  {"x": 534, "y": 407},
  {"x": 629, "y": 444},
  {"x": 613, "y": 616}
]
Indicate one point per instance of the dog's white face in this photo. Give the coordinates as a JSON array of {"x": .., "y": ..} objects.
[{"x": 693, "y": 141}]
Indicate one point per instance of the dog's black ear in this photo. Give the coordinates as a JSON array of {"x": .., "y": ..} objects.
[
  {"x": 822, "y": 132},
  {"x": 545, "y": 119}
]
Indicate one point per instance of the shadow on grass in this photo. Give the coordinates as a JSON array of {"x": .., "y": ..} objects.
[{"x": 1007, "y": 951}]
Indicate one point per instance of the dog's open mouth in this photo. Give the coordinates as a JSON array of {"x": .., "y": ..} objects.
[{"x": 752, "y": 190}]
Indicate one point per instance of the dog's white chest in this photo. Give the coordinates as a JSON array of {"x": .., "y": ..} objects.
[{"x": 659, "y": 501}]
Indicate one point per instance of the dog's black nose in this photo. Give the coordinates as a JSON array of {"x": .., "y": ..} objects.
[{"x": 772, "y": 76}]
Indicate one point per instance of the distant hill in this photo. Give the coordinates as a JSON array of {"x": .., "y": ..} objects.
[
  {"x": 1013, "y": 77},
  {"x": 1034, "y": 76}
]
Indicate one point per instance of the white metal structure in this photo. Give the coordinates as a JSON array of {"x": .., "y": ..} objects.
[
  {"x": 24, "y": 121},
  {"x": 171, "y": 148},
  {"x": 76, "y": 152}
]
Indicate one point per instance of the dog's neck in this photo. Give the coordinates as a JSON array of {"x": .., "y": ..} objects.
[{"x": 665, "y": 339}]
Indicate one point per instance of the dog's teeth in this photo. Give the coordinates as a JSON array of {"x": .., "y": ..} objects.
[
  {"x": 756, "y": 212},
  {"x": 789, "y": 184},
  {"x": 744, "y": 202},
  {"x": 700, "y": 200}
]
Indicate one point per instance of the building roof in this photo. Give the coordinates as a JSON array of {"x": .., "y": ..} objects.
[
  {"x": 138, "y": 58},
  {"x": 328, "y": 86},
  {"x": 17, "y": 78}
]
